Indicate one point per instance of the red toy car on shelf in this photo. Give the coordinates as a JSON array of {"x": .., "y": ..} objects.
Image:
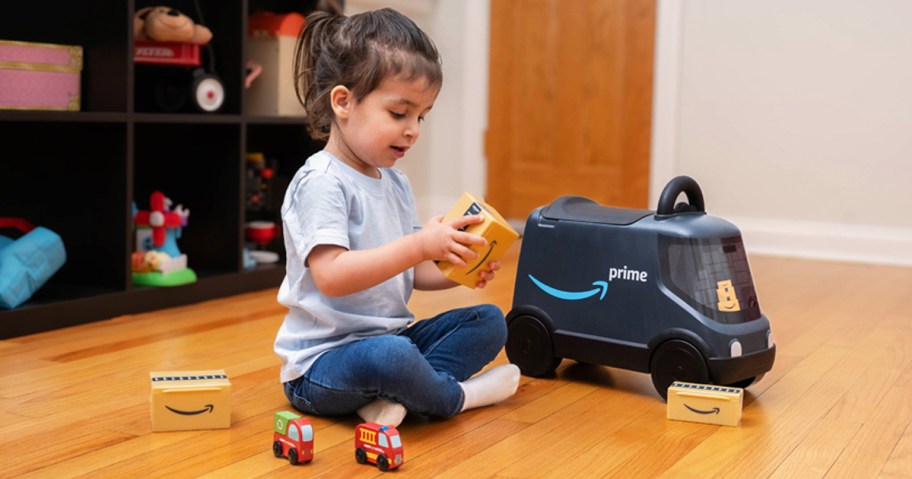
[
  {"x": 293, "y": 437},
  {"x": 380, "y": 445}
]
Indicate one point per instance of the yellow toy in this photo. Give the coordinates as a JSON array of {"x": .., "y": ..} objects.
[
  {"x": 184, "y": 400},
  {"x": 494, "y": 228},
  {"x": 166, "y": 24},
  {"x": 705, "y": 403}
]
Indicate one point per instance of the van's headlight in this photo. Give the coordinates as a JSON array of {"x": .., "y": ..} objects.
[
  {"x": 769, "y": 340},
  {"x": 735, "y": 348}
]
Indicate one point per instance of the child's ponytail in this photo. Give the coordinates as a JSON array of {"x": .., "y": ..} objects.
[{"x": 316, "y": 40}]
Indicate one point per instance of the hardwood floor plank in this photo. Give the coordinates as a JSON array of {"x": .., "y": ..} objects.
[
  {"x": 835, "y": 404},
  {"x": 815, "y": 455},
  {"x": 868, "y": 451},
  {"x": 899, "y": 464}
]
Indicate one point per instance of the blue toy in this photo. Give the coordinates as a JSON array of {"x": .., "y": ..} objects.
[
  {"x": 667, "y": 293},
  {"x": 28, "y": 262}
]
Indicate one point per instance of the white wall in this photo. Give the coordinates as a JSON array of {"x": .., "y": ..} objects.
[{"x": 795, "y": 118}]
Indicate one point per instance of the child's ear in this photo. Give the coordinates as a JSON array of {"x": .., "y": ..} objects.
[{"x": 342, "y": 100}]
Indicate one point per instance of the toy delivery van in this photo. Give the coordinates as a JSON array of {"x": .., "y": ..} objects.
[{"x": 667, "y": 293}]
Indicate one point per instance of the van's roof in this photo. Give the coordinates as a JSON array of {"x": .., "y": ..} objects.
[{"x": 577, "y": 208}]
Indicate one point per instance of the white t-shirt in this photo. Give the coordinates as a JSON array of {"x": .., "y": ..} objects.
[{"x": 329, "y": 203}]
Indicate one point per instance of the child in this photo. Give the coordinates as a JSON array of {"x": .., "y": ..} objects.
[{"x": 356, "y": 250}]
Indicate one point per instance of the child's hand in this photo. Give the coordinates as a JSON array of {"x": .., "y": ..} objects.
[
  {"x": 487, "y": 275},
  {"x": 441, "y": 241}
]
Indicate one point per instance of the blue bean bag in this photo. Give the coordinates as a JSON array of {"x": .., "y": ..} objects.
[{"x": 28, "y": 262}]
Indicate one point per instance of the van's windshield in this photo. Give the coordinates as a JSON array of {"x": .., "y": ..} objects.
[{"x": 712, "y": 275}]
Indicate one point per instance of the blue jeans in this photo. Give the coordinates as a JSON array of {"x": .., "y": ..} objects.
[{"x": 419, "y": 368}]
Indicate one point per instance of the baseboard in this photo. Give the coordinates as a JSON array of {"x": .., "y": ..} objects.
[{"x": 827, "y": 241}]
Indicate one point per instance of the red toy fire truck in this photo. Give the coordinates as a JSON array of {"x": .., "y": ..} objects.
[
  {"x": 380, "y": 445},
  {"x": 293, "y": 437}
]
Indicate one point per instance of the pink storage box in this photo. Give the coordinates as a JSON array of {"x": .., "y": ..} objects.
[{"x": 39, "y": 76}]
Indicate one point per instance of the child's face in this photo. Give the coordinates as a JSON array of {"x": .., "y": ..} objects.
[{"x": 378, "y": 130}]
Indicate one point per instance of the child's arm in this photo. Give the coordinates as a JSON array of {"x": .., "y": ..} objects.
[{"x": 339, "y": 272}]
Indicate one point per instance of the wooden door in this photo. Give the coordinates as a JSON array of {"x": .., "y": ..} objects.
[{"x": 570, "y": 102}]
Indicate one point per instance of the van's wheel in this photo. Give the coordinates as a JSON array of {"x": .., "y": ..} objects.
[
  {"x": 529, "y": 346},
  {"x": 676, "y": 360},
  {"x": 360, "y": 456},
  {"x": 383, "y": 463},
  {"x": 293, "y": 456}
]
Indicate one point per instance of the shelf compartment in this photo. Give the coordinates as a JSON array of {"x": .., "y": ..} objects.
[
  {"x": 197, "y": 166},
  {"x": 225, "y": 18},
  {"x": 71, "y": 179},
  {"x": 105, "y": 54}
]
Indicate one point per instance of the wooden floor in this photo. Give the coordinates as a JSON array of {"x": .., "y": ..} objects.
[{"x": 838, "y": 402}]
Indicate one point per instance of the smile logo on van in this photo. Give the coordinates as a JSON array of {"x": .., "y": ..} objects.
[{"x": 600, "y": 286}]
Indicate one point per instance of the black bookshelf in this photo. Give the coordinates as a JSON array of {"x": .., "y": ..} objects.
[{"x": 80, "y": 173}]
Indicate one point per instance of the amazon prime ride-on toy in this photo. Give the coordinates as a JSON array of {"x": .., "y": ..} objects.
[{"x": 666, "y": 292}]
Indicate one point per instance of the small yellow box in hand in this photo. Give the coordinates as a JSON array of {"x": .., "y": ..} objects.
[
  {"x": 494, "y": 228},
  {"x": 705, "y": 403},
  {"x": 184, "y": 400}
]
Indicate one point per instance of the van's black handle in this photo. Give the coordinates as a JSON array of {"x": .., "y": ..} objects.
[{"x": 678, "y": 185}]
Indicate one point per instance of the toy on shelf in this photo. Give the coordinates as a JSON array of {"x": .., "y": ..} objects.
[
  {"x": 157, "y": 260},
  {"x": 260, "y": 173},
  {"x": 166, "y": 24},
  {"x": 262, "y": 233},
  {"x": 165, "y": 36},
  {"x": 668, "y": 293},
  {"x": 40, "y": 76},
  {"x": 292, "y": 437},
  {"x": 26, "y": 263},
  {"x": 380, "y": 445},
  {"x": 270, "y": 45}
]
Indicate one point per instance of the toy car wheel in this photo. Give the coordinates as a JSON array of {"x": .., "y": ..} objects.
[
  {"x": 277, "y": 449},
  {"x": 676, "y": 360},
  {"x": 530, "y": 348},
  {"x": 293, "y": 456},
  {"x": 383, "y": 463},
  {"x": 360, "y": 456},
  {"x": 208, "y": 93}
]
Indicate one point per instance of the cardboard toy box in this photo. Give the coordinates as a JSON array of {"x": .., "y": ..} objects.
[
  {"x": 185, "y": 400},
  {"x": 494, "y": 228},
  {"x": 271, "y": 41},
  {"x": 39, "y": 76},
  {"x": 705, "y": 403}
]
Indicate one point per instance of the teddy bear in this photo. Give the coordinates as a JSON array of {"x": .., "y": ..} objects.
[{"x": 166, "y": 24}]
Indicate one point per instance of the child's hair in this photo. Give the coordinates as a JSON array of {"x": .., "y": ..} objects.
[{"x": 357, "y": 52}]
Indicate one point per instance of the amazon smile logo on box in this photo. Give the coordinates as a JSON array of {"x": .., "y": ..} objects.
[{"x": 184, "y": 400}]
